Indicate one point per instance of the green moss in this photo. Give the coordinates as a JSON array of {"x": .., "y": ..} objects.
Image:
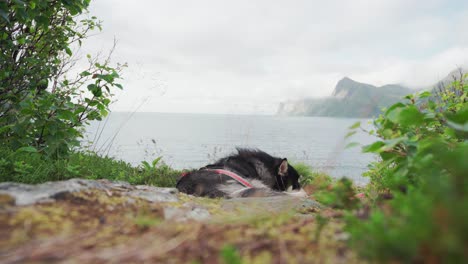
[{"x": 6, "y": 200}]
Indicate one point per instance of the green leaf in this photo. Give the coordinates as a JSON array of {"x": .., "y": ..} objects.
[
  {"x": 409, "y": 96},
  {"x": 352, "y": 145},
  {"x": 230, "y": 255},
  {"x": 457, "y": 126},
  {"x": 350, "y": 133},
  {"x": 28, "y": 149},
  {"x": 393, "y": 107},
  {"x": 406, "y": 116},
  {"x": 355, "y": 125},
  {"x": 95, "y": 90},
  {"x": 459, "y": 120},
  {"x": 4, "y": 15},
  {"x": 85, "y": 73},
  {"x": 391, "y": 143},
  {"x": 146, "y": 165},
  {"x": 66, "y": 115},
  {"x": 5, "y": 128},
  {"x": 425, "y": 94},
  {"x": 374, "y": 147},
  {"x": 156, "y": 161},
  {"x": 68, "y": 51},
  {"x": 19, "y": 2}
]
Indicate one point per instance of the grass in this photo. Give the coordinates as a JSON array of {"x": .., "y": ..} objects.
[
  {"x": 310, "y": 176},
  {"x": 323, "y": 188},
  {"x": 33, "y": 168}
]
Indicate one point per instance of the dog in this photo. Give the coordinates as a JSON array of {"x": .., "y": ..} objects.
[{"x": 249, "y": 173}]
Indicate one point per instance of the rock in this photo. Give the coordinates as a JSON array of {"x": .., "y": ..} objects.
[
  {"x": 155, "y": 194},
  {"x": 342, "y": 236},
  {"x": 269, "y": 204},
  {"x": 26, "y": 194},
  {"x": 186, "y": 212},
  {"x": 6, "y": 200}
]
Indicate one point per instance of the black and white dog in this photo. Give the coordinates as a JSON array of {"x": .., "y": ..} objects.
[{"x": 248, "y": 173}]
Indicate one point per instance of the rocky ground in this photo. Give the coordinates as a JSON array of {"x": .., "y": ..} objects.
[{"x": 85, "y": 221}]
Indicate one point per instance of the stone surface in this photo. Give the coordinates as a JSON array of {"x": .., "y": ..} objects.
[
  {"x": 176, "y": 207},
  {"x": 101, "y": 221},
  {"x": 186, "y": 212},
  {"x": 26, "y": 194},
  {"x": 269, "y": 204},
  {"x": 155, "y": 194}
]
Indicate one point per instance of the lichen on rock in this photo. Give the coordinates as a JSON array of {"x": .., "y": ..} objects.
[{"x": 103, "y": 221}]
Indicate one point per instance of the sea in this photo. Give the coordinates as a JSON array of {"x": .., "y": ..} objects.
[{"x": 193, "y": 140}]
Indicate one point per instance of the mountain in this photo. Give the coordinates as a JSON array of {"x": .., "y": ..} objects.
[
  {"x": 349, "y": 99},
  {"x": 355, "y": 99},
  {"x": 455, "y": 75}
]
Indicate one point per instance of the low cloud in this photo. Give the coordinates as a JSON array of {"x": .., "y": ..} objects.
[{"x": 247, "y": 56}]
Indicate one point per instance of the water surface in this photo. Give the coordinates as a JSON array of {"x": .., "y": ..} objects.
[{"x": 194, "y": 140}]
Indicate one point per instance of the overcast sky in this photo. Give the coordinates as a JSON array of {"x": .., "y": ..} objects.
[{"x": 247, "y": 56}]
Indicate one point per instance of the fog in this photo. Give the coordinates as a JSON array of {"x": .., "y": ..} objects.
[{"x": 245, "y": 57}]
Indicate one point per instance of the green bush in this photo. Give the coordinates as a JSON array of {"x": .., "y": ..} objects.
[
  {"x": 423, "y": 168},
  {"x": 334, "y": 193},
  {"x": 43, "y": 104},
  {"x": 28, "y": 166},
  {"x": 312, "y": 178},
  {"x": 339, "y": 194}
]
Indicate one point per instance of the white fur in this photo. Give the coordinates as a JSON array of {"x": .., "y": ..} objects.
[
  {"x": 233, "y": 187},
  {"x": 301, "y": 193}
]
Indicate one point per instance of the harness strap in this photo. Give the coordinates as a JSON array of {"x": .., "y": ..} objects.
[{"x": 230, "y": 174}]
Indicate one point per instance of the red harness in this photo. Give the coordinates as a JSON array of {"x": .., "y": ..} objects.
[{"x": 230, "y": 174}]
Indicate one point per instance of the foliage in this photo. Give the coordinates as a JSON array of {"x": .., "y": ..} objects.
[
  {"x": 229, "y": 255},
  {"x": 334, "y": 193},
  {"x": 308, "y": 176},
  {"x": 42, "y": 104},
  {"x": 158, "y": 174},
  {"x": 325, "y": 189},
  {"x": 28, "y": 166},
  {"x": 150, "y": 168},
  {"x": 144, "y": 220},
  {"x": 423, "y": 148},
  {"x": 339, "y": 194}
]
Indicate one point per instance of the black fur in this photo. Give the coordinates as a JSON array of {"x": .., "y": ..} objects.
[{"x": 247, "y": 163}]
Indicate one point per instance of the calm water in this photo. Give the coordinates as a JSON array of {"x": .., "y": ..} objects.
[{"x": 194, "y": 140}]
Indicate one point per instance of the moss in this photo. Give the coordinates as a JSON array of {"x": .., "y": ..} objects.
[
  {"x": 6, "y": 200},
  {"x": 86, "y": 225}
]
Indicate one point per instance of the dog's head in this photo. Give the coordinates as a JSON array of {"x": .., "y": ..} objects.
[{"x": 286, "y": 176}]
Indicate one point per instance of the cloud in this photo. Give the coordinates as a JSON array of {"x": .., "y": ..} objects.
[{"x": 247, "y": 56}]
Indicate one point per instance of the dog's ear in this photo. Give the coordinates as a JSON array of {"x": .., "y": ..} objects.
[{"x": 283, "y": 168}]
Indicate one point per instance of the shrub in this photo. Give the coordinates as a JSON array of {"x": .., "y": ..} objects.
[
  {"x": 339, "y": 194},
  {"x": 312, "y": 178},
  {"x": 42, "y": 104},
  {"x": 335, "y": 193},
  {"x": 423, "y": 150}
]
